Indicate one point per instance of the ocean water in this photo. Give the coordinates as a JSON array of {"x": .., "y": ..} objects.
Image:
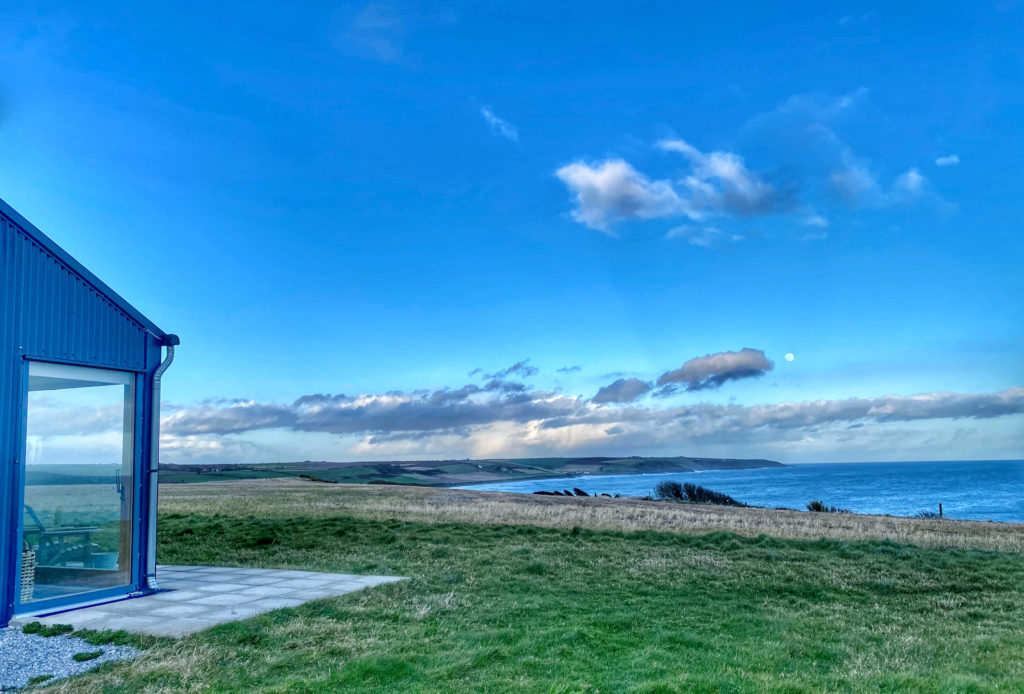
[{"x": 967, "y": 489}]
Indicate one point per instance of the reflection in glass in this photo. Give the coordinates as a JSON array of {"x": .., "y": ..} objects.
[{"x": 77, "y": 530}]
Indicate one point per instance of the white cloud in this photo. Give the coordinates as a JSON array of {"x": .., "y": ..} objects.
[
  {"x": 947, "y": 160},
  {"x": 816, "y": 220},
  {"x": 612, "y": 191},
  {"x": 856, "y": 184},
  {"x": 802, "y": 135},
  {"x": 859, "y": 187},
  {"x": 911, "y": 181},
  {"x": 815, "y": 170},
  {"x": 721, "y": 182},
  {"x": 541, "y": 423},
  {"x": 622, "y": 390},
  {"x": 712, "y": 370},
  {"x": 718, "y": 183},
  {"x": 499, "y": 126},
  {"x": 701, "y": 236},
  {"x": 380, "y": 29}
]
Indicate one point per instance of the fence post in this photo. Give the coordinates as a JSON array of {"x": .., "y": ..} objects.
[{"x": 940, "y": 510}]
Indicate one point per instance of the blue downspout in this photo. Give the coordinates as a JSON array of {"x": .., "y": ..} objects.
[{"x": 170, "y": 341}]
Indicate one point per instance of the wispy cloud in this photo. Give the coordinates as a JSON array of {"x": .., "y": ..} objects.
[
  {"x": 499, "y": 126},
  {"x": 814, "y": 170},
  {"x": 612, "y": 191},
  {"x": 712, "y": 370},
  {"x": 911, "y": 182},
  {"x": 852, "y": 20},
  {"x": 802, "y": 134},
  {"x": 720, "y": 182},
  {"x": 521, "y": 369},
  {"x": 500, "y": 415},
  {"x": 947, "y": 160},
  {"x": 622, "y": 390},
  {"x": 379, "y": 30},
  {"x": 706, "y": 237},
  {"x": 492, "y": 423}
]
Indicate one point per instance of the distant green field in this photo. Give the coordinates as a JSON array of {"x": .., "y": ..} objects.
[
  {"x": 402, "y": 479},
  {"x": 440, "y": 473},
  {"x": 346, "y": 474},
  {"x": 180, "y": 477},
  {"x": 71, "y": 474},
  {"x": 458, "y": 468}
]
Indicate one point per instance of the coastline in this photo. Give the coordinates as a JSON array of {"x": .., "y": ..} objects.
[
  {"x": 965, "y": 490},
  {"x": 585, "y": 475},
  {"x": 771, "y": 464}
]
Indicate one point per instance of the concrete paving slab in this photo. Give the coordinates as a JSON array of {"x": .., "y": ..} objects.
[
  {"x": 222, "y": 599},
  {"x": 250, "y": 580},
  {"x": 301, "y": 583},
  {"x": 180, "y": 611},
  {"x": 222, "y": 587},
  {"x": 266, "y": 591},
  {"x": 177, "y": 596},
  {"x": 197, "y": 598}
]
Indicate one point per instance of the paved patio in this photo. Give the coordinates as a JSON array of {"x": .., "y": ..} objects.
[{"x": 193, "y": 598}]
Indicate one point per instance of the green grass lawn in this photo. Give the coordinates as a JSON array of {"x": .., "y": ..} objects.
[{"x": 526, "y": 609}]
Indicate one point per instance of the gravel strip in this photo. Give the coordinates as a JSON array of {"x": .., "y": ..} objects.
[{"x": 23, "y": 656}]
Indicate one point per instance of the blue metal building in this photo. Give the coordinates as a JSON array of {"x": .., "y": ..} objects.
[{"x": 80, "y": 373}]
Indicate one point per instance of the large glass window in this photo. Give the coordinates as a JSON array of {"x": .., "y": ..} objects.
[{"x": 77, "y": 530}]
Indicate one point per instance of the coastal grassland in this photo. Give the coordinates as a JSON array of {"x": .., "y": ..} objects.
[
  {"x": 494, "y": 606},
  {"x": 291, "y": 498}
]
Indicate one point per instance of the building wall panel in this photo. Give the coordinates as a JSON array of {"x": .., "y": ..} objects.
[
  {"x": 53, "y": 309},
  {"x": 63, "y": 317}
]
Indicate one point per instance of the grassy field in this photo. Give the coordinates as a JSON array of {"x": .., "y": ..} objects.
[
  {"x": 571, "y": 595},
  {"x": 296, "y": 498}
]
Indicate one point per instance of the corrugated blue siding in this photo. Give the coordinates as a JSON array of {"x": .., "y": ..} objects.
[
  {"x": 52, "y": 308},
  {"x": 61, "y": 316},
  {"x": 9, "y": 409}
]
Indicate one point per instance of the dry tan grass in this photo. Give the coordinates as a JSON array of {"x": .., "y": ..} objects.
[{"x": 291, "y": 498}]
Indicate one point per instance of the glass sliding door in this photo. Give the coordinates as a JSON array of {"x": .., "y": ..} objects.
[{"x": 77, "y": 519}]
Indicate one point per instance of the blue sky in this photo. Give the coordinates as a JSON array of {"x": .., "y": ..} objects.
[{"x": 373, "y": 200}]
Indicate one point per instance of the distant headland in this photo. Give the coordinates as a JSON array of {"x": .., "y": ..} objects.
[{"x": 453, "y": 473}]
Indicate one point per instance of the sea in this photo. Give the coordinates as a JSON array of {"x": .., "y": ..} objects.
[{"x": 986, "y": 490}]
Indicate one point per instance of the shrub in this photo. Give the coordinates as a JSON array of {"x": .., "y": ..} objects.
[
  {"x": 674, "y": 491},
  {"x": 83, "y": 657},
  {"x": 263, "y": 538},
  {"x": 700, "y": 495},
  {"x": 927, "y": 514},
  {"x": 579, "y": 492},
  {"x": 669, "y": 491},
  {"x": 312, "y": 478},
  {"x": 820, "y": 507},
  {"x": 47, "y": 631}
]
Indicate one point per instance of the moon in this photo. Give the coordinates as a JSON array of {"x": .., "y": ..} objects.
[{"x": 789, "y": 356}]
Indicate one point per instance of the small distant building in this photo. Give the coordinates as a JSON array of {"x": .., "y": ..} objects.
[{"x": 80, "y": 373}]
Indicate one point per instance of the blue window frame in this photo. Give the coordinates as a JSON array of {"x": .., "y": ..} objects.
[{"x": 87, "y": 555}]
